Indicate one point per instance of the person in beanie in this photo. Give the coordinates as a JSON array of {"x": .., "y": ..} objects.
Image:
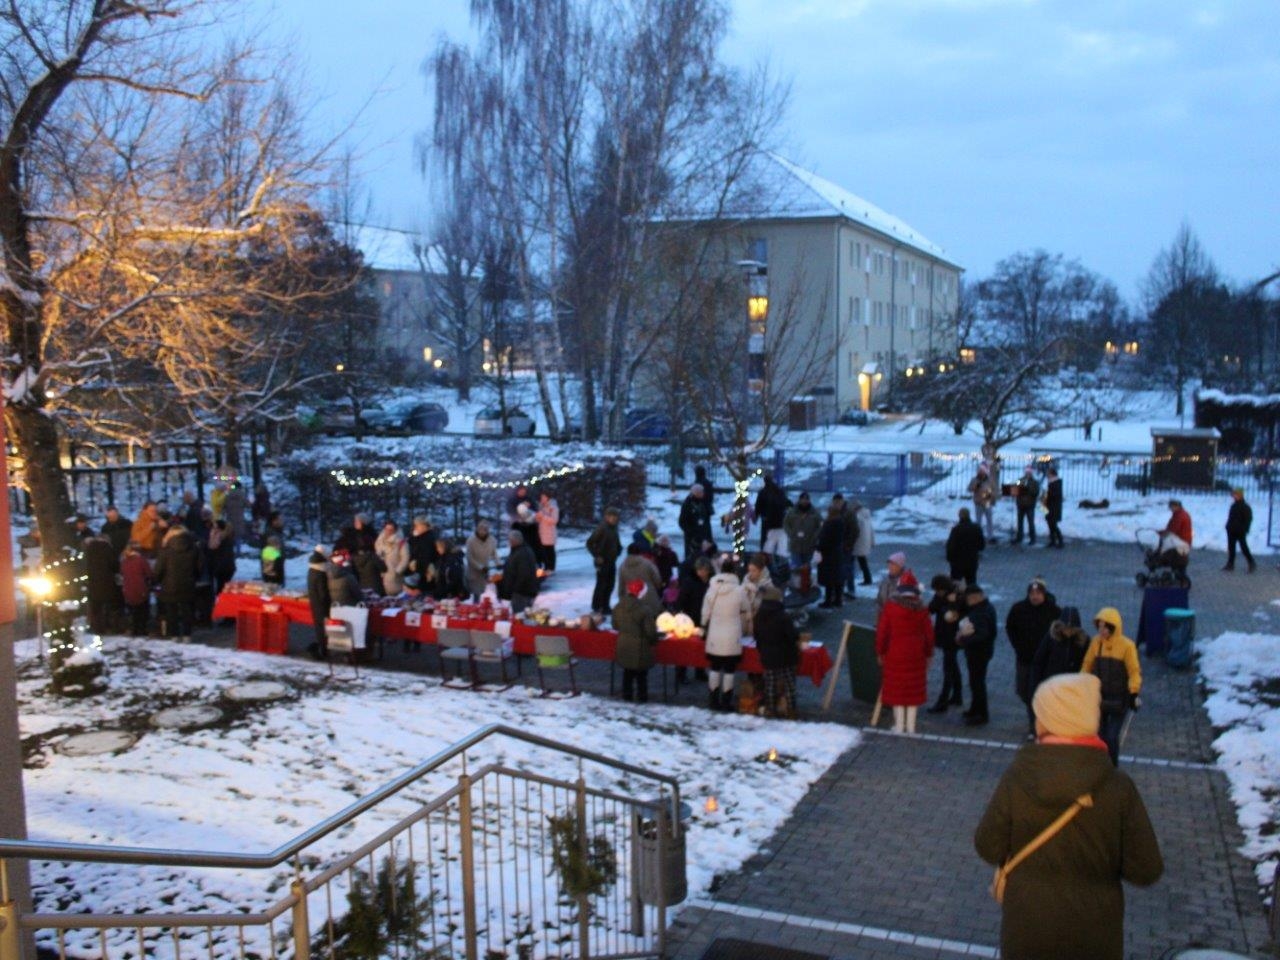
[
  {"x": 1113, "y": 659},
  {"x": 318, "y": 599},
  {"x": 983, "y": 490},
  {"x": 904, "y": 647},
  {"x": 964, "y": 548},
  {"x": 635, "y": 618},
  {"x": 518, "y": 582},
  {"x": 778, "y": 642},
  {"x": 726, "y": 614},
  {"x": 1239, "y": 520},
  {"x": 1066, "y": 898},
  {"x": 1062, "y": 648},
  {"x": 1026, "y": 625},
  {"x": 945, "y": 607},
  {"x": 894, "y": 568},
  {"x": 695, "y": 520},
  {"x": 976, "y": 636},
  {"x": 830, "y": 546}
]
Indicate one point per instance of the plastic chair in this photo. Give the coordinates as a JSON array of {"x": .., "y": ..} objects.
[
  {"x": 455, "y": 646},
  {"x": 555, "y": 648},
  {"x": 490, "y": 647}
]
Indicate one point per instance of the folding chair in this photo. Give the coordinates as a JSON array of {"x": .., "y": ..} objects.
[
  {"x": 490, "y": 647},
  {"x": 455, "y": 646},
  {"x": 554, "y": 653}
]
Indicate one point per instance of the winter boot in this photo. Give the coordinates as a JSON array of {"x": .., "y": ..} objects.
[
  {"x": 940, "y": 705},
  {"x": 713, "y": 702}
]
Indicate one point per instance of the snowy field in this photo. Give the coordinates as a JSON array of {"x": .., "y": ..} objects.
[
  {"x": 1242, "y": 673},
  {"x": 268, "y": 772}
]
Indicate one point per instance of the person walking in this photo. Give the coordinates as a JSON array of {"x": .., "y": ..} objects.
[
  {"x": 1026, "y": 624},
  {"x": 830, "y": 546},
  {"x": 605, "y": 546},
  {"x": 695, "y": 521},
  {"x": 318, "y": 600},
  {"x": 778, "y": 642},
  {"x": 1113, "y": 659},
  {"x": 635, "y": 618},
  {"x": 481, "y": 554},
  {"x": 726, "y": 615},
  {"x": 964, "y": 548},
  {"x": 983, "y": 490},
  {"x": 1053, "y": 507},
  {"x": 1066, "y": 898},
  {"x": 772, "y": 505},
  {"x": 1239, "y": 520},
  {"x": 1062, "y": 648},
  {"x": 945, "y": 607},
  {"x": 1026, "y": 496},
  {"x": 866, "y": 539},
  {"x": 904, "y": 647},
  {"x": 548, "y": 518},
  {"x": 976, "y": 635}
]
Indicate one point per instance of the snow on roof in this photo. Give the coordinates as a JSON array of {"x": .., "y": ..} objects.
[
  {"x": 792, "y": 193},
  {"x": 385, "y": 248},
  {"x": 1265, "y": 401}
]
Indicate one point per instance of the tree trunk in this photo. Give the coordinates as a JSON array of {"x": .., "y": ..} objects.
[
  {"x": 36, "y": 436},
  {"x": 463, "y": 380}
]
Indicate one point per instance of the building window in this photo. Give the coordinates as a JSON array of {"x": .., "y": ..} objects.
[{"x": 758, "y": 250}]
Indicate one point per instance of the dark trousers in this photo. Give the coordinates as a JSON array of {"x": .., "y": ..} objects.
[
  {"x": 834, "y": 596},
  {"x": 606, "y": 574},
  {"x": 846, "y": 565},
  {"x": 1109, "y": 730},
  {"x": 1024, "y": 675},
  {"x": 1232, "y": 541},
  {"x": 1055, "y": 533},
  {"x": 1028, "y": 514},
  {"x": 976, "y": 662},
  {"x": 139, "y": 617},
  {"x": 969, "y": 574},
  {"x": 100, "y": 615},
  {"x": 780, "y": 682},
  {"x": 952, "y": 684},
  {"x": 177, "y": 618},
  {"x": 548, "y": 557},
  {"x": 866, "y": 571},
  {"x": 637, "y": 682}
]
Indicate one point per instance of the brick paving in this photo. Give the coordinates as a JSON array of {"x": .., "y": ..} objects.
[{"x": 877, "y": 861}]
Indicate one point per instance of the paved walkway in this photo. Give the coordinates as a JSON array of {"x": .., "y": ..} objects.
[{"x": 877, "y": 860}]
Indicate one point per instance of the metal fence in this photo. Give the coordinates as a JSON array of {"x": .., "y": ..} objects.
[{"x": 504, "y": 863}]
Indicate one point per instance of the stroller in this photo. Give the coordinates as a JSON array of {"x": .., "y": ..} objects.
[{"x": 1166, "y": 565}]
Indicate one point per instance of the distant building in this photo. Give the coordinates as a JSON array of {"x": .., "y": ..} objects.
[{"x": 872, "y": 291}]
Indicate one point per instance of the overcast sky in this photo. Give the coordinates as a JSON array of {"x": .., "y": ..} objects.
[{"x": 1091, "y": 128}]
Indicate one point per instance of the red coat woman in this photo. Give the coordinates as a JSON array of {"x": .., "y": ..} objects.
[{"x": 904, "y": 644}]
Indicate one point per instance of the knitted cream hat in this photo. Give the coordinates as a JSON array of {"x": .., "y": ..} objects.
[{"x": 1069, "y": 704}]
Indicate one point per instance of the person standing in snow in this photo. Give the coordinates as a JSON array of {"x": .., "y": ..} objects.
[
  {"x": 1053, "y": 507},
  {"x": 726, "y": 615},
  {"x": 865, "y": 541},
  {"x": 695, "y": 521},
  {"x": 983, "y": 490},
  {"x": 605, "y": 546},
  {"x": 392, "y": 551},
  {"x": 481, "y": 553},
  {"x": 1026, "y": 495},
  {"x": 318, "y": 600},
  {"x": 635, "y": 618},
  {"x": 548, "y": 518},
  {"x": 772, "y": 505}
]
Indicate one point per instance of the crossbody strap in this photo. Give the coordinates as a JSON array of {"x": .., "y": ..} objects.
[{"x": 1047, "y": 834}]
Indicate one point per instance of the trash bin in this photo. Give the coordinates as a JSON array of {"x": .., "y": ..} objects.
[
  {"x": 660, "y": 861},
  {"x": 1179, "y": 636}
]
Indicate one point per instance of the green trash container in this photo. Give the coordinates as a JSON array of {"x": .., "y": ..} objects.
[
  {"x": 864, "y": 669},
  {"x": 1179, "y": 637}
]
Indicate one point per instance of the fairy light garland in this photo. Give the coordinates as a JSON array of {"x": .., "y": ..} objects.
[
  {"x": 434, "y": 478},
  {"x": 740, "y": 490}
]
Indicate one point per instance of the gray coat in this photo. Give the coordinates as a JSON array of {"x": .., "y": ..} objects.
[{"x": 481, "y": 555}]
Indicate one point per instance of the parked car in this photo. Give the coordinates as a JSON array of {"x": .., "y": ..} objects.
[
  {"x": 495, "y": 422},
  {"x": 642, "y": 423},
  {"x": 853, "y": 417},
  {"x": 416, "y": 418}
]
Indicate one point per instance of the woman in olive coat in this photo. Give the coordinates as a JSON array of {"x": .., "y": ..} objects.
[{"x": 636, "y": 619}]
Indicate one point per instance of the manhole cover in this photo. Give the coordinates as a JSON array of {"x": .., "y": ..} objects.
[
  {"x": 257, "y": 690},
  {"x": 97, "y": 743},
  {"x": 184, "y": 718}
]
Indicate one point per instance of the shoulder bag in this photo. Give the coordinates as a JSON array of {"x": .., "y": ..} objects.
[{"x": 1045, "y": 835}]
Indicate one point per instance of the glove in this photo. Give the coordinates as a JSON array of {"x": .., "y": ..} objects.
[{"x": 1135, "y": 702}]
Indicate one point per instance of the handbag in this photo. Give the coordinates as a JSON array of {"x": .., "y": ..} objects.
[{"x": 1045, "y": 835}]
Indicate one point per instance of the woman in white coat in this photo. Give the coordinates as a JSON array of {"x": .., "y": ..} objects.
[
  {"x": 865, "y": 541},
  {"x": 393, "y": 550},
  {"x": 726, "y": 615}
]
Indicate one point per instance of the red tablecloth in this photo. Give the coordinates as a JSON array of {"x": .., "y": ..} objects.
[{"x": 588, "y": 644}]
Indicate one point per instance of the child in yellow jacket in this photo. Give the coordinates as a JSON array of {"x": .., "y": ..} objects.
[{"x": 1113, "y": 658}]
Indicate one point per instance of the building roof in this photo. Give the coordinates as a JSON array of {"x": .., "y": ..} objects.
[
  {"x": 385, "y": 248},
  {"x": 790, "y": 192}
]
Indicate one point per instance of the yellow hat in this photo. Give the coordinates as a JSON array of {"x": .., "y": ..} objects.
[{"x": 1069, "y": 704}]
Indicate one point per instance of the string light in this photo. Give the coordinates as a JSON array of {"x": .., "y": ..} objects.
[
  {"x": 434, "y": 478},
  {"x": 739, "y": 510}
]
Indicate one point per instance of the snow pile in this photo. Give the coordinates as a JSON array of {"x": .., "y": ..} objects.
[
  {"x": 272, "y": 770},
  {"x": 1242, "y": 672}
]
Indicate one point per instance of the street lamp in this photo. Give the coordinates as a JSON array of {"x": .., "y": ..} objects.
[{"x": 38, "y": 589}]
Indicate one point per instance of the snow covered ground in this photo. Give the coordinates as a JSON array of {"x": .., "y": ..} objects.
[
  {"x": 270, "y": 771},
  {"x": 1242, "y": 673}
]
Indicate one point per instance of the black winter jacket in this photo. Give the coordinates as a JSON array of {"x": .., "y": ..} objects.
[
  {"x": 776, "y": 636},
  {"x": 177, "y": 568},
  {"x": 1028, "y": 624}
]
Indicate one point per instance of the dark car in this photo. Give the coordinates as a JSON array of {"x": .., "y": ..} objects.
[
  {"x": 416, "y": 418},
  {"x": 641, "y": 423}
]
